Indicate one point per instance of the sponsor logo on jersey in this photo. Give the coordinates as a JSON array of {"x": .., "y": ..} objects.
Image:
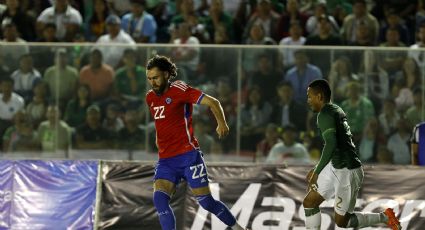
[{"x": 168, "y": 100}]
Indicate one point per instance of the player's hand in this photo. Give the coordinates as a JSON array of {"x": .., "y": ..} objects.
[{"x": 222, "y": 130}]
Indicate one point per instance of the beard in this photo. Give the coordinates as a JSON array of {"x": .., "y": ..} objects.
[{"x": 159, "y": 89}]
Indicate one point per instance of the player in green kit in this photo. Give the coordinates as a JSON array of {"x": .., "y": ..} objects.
[{"x": 339, "y": 171}]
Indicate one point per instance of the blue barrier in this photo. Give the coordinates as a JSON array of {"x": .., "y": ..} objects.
[{"x": 37, "y": 194}]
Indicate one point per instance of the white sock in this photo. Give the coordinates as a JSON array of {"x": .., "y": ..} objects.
[
  {"x": 314, "y": 221},
  {"x": 367, "y": 219},
  {"x": 237, "y": 227}
]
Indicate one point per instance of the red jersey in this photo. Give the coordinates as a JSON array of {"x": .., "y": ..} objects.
[{"x": 172, "y": 112}]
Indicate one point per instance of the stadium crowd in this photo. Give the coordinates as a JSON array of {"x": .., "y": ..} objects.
[{"x": 90, "y": 95}]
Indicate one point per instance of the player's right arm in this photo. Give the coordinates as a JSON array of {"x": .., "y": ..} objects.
[{"x": 217, "y": 109}]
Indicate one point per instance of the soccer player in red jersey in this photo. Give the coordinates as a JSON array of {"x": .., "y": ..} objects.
[{"x": 170, "y": 104}]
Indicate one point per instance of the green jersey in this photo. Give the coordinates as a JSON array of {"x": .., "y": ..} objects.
[{"x": 339, "y": 147}]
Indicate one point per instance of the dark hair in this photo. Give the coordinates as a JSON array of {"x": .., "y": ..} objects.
[
  {"x": 164, "y": 64},
  {"x": 322, "y": 86}
]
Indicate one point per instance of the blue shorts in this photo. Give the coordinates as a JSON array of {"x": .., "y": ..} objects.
[{"x": 189, "y": 166}]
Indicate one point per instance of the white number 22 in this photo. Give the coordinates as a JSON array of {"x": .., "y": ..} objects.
[
  {"x": 159, "y": 112},
  {"x": 197, "y": 174}
]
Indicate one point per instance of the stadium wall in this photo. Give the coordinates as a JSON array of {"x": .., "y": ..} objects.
[{"x": 118, "y": 195}]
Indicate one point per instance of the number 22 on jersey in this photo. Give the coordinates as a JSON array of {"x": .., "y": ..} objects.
[{"x": 159, "y": 112}]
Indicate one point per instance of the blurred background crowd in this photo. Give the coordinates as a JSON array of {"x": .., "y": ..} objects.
[{"x": 81, "y": 86}]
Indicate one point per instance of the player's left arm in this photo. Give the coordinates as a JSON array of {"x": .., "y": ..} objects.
[
  {"x": 328, "y": 127},
  {"x": 217, "y": 109}
]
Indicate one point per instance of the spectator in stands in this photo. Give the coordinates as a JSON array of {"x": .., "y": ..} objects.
[
  {"x": 45, "y": 55},
  {"x": 358, "y": 108},
  {"x": 393, "y": 20},
  {"x": 131, "y": 137},
  {"x": 398, "y": 143},
  {"x": 250, "y": 55},
  {"x": 359, "y": 15},
  {"x": 313, "y": 143},
  {"x": 369, "y": 141},
  {"x": 25, "y": 77},
  {"x": 48, "y": 34},
  {"x": 11, "y": 52},
  {"x": 312, "y": 25},
  {"x": 225, "y": 58},
  {"x": 271, "y": 138},
  {"x": 139, "y": 24},
  {"x": 266, "y": 18},
  {"x": 37, "y": 107},
  {"x": 61, "y": 78},
  {"x": 75, "y": 113},
  {"x": 295, "y": 38},
  {"x": 265, "y": 76},
  {"x": 388, "y": 117},
  {"x": 23, "y": 21},
  {"x": 10, "y": 104},
  {"x": 392, "y": 61},
  {"x": 301, "y": 75},
  {"x": 255, "y": 114},
  {"x": 203, "y": 129},
  {"x": 414, "y": 113},
  {"x": 115, "y": 35},
  {"x": 98, "y": 76},
  {"x": 189, "y": 15},
  {"x": 363, "y": 36},
  {"x": 340, "y": 75},
  {"x": 217, "y": 16},
  {"x": 54, "y": 134},
  {"x": 112, "y": 121},
  {"x": 402, "y": 94},
  {"x": 376, "y": 78},
  {"x": 130, "y": 80},
  {"x": 415, "y": 51},
  {"x": 20, "y": 137},
  {"x": 286, "y": 110},
  {"x": 80, "y": 52},
  {"x": 96, "y": 25},
  {"x": 257, "y": 36},
  {"x": 187, "y": 54},
  {"x": 91, "y": 134},
  {"x": 119, "y": 7},
  {"x": 67, "y": 19},
  {"x": 291, "y": 13},
  {"x": 325, "y": 37},
  {"x": 289, "y": 151},
  {"x": 412, "y": 73}
]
